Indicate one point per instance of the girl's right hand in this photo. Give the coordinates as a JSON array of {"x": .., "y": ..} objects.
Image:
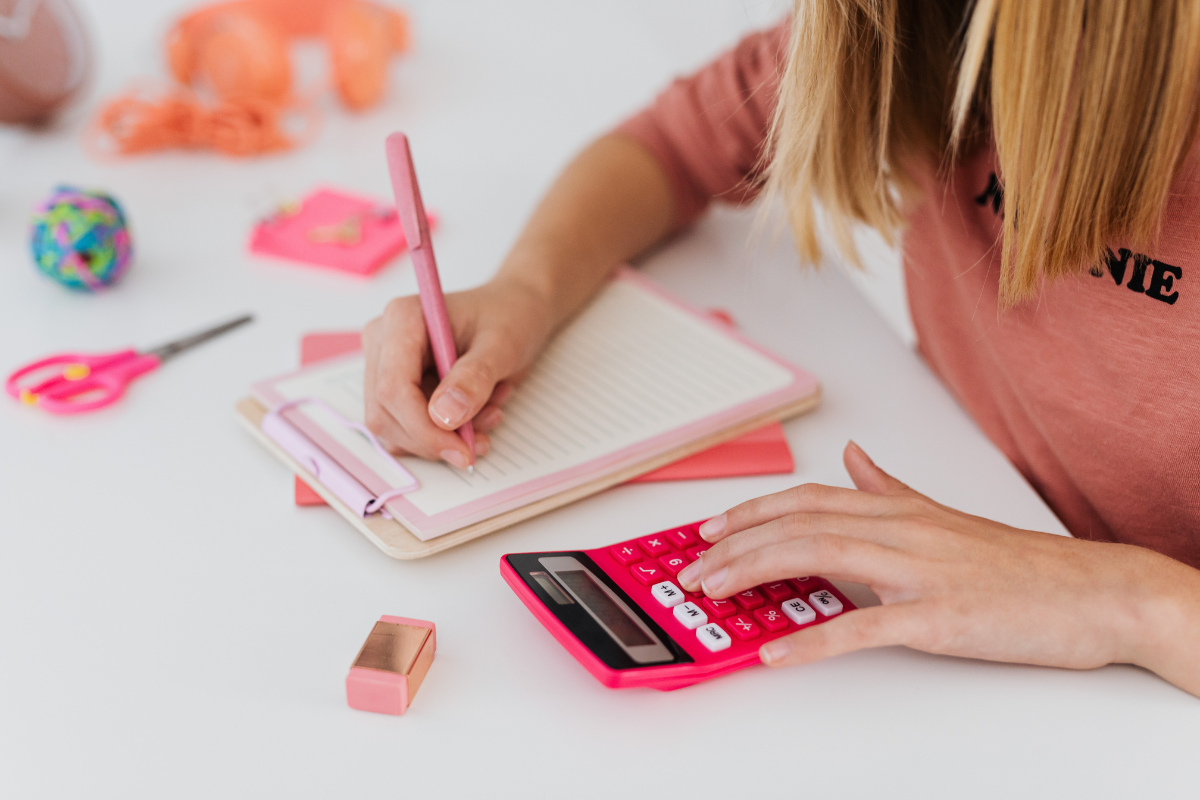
[{"x": 499, "y": 329}]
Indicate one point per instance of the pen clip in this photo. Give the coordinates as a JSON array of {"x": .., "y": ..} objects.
[{"x": 409, "y": 207}]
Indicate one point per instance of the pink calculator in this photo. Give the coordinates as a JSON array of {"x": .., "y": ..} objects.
[{"x": 621, "y": 613}]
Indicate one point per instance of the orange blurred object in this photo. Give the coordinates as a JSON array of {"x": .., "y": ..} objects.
[{"x": 238, "y": 52}]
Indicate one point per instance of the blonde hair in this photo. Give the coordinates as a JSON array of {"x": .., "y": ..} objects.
[{"x": 1092, "y": 105}]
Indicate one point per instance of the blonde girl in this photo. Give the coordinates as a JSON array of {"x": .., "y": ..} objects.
[{"x": 1038, "y": 158}]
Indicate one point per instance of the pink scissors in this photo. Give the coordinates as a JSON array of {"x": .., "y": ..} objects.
[{"x": 81, "y": 382}]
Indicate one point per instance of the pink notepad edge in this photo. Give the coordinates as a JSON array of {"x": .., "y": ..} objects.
[
  {"x": 761, "y": 452},
  {"x": 427, "y": 527}
]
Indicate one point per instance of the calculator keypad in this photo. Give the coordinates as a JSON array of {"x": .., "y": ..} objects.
[
  {"x": 690, "y": 615},
  {"x": 647, "y": 573},
  {"x": 826, "y": 603},
  {"x": 749, "y": 599},
  {"x": 713, "y": 637},
  {"x": 771, "y": 618},
  {"x": 655, "y": 545},
  {"x": 673, "y": 562},
  {"x": 718, "y": 608},
  {"x": 743, "y": 627},
  {"x": 625, "y": 554},
  {"x": 667, "y": 594},
  {"x": 682, "y": 538},
  {"x": 777, "y": 592},
  {"x": 742, "y": 622},
  {"x": 798, "y": 611}
]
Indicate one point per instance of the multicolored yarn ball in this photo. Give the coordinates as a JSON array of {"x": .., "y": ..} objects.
[{"x": 80, "y": 239}]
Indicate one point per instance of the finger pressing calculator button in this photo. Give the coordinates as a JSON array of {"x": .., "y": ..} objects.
[
  {"x": 719, "y": 608},
  {"x": 667, "y": 593},
  {"x": 712, "y": 637},
  {"x": 625, "y": 554},
  {"x": 654, "y": 546},
  {"x": 749, "y": 599},
  {"x": 799, "y": 611},
  {"x": 673, "y": 563},
  {"x": 776, "y": 592},
  {"x": 647, "y": 573},
  {"x": 826, "y": 603},
  {"x": 695, "y": 552},
  {"x": 743, "y": 627},
  {"x": 771, "y": 618},
  {"x": 690, "y": 615},
  {"x": 682, "y": 538}
]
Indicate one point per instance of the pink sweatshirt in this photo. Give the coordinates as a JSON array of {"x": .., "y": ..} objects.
[{"x": 1092, "y": 390}]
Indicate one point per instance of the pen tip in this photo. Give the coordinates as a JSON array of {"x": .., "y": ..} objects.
[{"x": 470, "y": 469}]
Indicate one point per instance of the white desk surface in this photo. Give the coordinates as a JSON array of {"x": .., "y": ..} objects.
[{"x": 171, "y": 626}]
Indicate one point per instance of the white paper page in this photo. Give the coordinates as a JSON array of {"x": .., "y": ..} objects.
[{"x": 632, "y": 366}]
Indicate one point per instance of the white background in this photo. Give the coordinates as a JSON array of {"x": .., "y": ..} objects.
[{"x": 171, "y": 626}]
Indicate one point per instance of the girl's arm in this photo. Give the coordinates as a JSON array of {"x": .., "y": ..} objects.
[
  {"x": 701, "y": 139},
  {"x": 611, "y": 203}
]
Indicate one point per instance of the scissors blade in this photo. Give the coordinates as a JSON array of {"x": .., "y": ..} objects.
[{"x": 176, "y": 347}]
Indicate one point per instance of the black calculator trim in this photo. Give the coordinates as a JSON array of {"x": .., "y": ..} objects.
[{"x": 581, "y": 624}]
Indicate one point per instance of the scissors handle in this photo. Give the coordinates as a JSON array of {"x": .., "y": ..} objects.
[{"x": 100, "y": 379}]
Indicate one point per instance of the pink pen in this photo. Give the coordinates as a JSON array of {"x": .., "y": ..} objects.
[{"x": 416, "y": 231}]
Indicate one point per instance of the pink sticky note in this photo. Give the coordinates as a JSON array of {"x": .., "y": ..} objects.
[
  {"x": 333, "y": 229},
  {"x": 761, "y": 452}
]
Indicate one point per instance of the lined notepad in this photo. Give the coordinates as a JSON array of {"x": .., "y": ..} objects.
[{"x": 636, "y": 373}]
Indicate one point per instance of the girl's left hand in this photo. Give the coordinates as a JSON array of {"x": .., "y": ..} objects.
[{"x": 953, "y": 583}]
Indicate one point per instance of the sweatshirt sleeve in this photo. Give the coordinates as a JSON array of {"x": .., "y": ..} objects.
[{"x": 708, "y": 130}]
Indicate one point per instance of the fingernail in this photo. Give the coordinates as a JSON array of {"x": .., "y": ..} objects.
[
  {"x": 451, "y": 407},
  {"x": 775, "y": 651},
  {"x": 454, "y": 458},
  {"x": 712, "y": 528},
  {"x": 713, "y": 582},
  {"x": 688, "y": 575}
]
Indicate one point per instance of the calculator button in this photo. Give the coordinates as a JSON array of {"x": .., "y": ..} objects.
[
  {"x": 655, "y": 545},
  {"x": 777, "y": 591},
  {"x": 647, "y": 573},
  {"x": 804, "y": 585},
  {"x": 826, "y": 603},
  {"x": 673, "y": 563},
  {"x": 690, "y": 615},
  {"x": 719, "y": 608},
  {"x": 798, "y": 611},
  {"x": 743, "y": 627},
  {"x": 682, "y": 538},
  {"x": 695, "y": 552},
  {"x": 712, "y": 637},
  {"x": 667, "y": 594},
  {"x": 771, "y": 618},
  {"x": 749, "y": 599},
  {"x": 625, "y": 554}
]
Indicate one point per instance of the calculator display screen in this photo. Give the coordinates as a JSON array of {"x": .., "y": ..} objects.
[
  {"x": 609, "y": 613},
  {"x": 593, "y": 608}
]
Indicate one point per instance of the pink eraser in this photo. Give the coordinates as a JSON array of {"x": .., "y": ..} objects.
[{"x": 389, "y": 668}]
